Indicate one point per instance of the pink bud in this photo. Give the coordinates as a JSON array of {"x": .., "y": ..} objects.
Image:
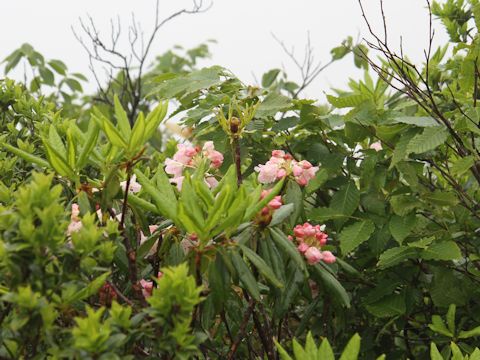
[
  {"x": 278, "y": 153},
  {"x": 328, "y": 257},
  {"x": 275, "y": 203},
  {"x": 281, "y": 174},
  {"x": 313, "y": 255},
  {"x": 377, "y": 146},
  {"x": 303, "y": 247},
  {"x": 147, "y": 288}
]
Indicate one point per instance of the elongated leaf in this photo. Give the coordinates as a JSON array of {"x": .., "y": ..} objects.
[
  {"x": 451, "y": 317},
  {"x": 55, "y": 141},
  {"x": 143, "y": 204},
  {"x": 428, "y": 140},
  {"x": 164, "y": 205},
  {"x": 137, "y": 135},
  {"x": 421, "y": 121},
  {"x": 333, "y": 286},
  {"x": 154, "y": 118},
  {"x": 112, "y": 133},
  {"x": 323, "y": 214},
  {"x": 245, "y": 275},
  {"x": 281, "y": 351},
  {"x": 469, "y": 333},
  {"x": 58, "y": 163},
  {"x": 26, "y": 156},
  {"x": 71, "y": 149},
  {"x": 288, "y": 248},
  {"x": 325, "y": 351},
  {"x": 259, "y": 204},
  {"x": 434, "y": 353},
  {"x": 90, "y": 141},
  {"x": 262, "y": 266},
  {"x": 352, "y": 349},
  {"x": 122, "y": 118},
  {"x": 354, "y": 235},
  {"x": 462, "y": 165}
]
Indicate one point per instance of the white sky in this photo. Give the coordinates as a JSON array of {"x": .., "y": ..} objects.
[{"x": 242, "y": 29}]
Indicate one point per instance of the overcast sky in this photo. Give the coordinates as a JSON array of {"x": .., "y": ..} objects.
[{"x": 243, "y": 30}]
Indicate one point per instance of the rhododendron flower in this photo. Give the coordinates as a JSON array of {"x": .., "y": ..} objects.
[
  {"x": 147, "y": 286},
  {"x": 282, "y": 164},
  {"x": 75, "y": 222},
  {"x": 189, "y": 157},
  {"x": 134, "y": 187},
  {"x": 377, "y": 146},
  {"x": 310, "y": 239},
  {"x": 215, "y": 157}
]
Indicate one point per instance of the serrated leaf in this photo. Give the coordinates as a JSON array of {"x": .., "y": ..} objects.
[
  {"x": 272, "y": 104},
  {"x": 347, "y": 101},
  {"x": 421, "y": 121},
  {"x": 428, "y": 140},
  {"x": 269, "y": 77},
  {"x": 346, "y": 200},
  {"x": 395, "y": 256},
  {"x": 401, "y": 226},
  {"x": 445, "y": 250},
  {"x": 354, "y": 235}
]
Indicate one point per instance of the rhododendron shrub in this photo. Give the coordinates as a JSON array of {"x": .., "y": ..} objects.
[{"x": 249, "y": 219}]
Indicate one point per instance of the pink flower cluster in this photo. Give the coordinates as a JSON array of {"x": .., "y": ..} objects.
[
  {"x": 310, "y": 238},
  {"x": 75, "y": 221},
  {"x": 187, "y": 157},
  {"x": 282, "y": 164}
]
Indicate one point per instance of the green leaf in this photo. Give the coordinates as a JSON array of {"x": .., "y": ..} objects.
[
  {"x": 122, "y": 118},
  {"x": 112, "y": 133},
  {"x": 298, "y": 351},
  {"x": 154, "y": 118},
  {"x": 323, "y": 214},
  {"x": 325, "y": 351},
  {"x": 354, "y": 235},
  {"x": 347, "y": 101},
  {"x": 90, "y": 142},
  {"x": 442, "y": 198},
  {"x": 428, "y": 140},
  {"x": 137, "y": 135},
  {"x": 58, "y": 162},
  {"x": 388, "y": 306},
  {"x": 55, "y": 141},
  {"x": 395, "y": 256},
  {"x": 162, "y": 196},
  {"x": 58, "y": 66},
  {"x": 401, "y": 226},
  {"x": 333, "y": 286},
  {"x": 281, "y": 214},
  {"x": 262, "y": 266},
  {"x": 189, "y": 83},
  {"x": 258, "y": 205},
  {"x": 293, "y": 195},
  {"x": 269, "y": 77},
  {"x": 352, "y": 349},
  {"x": 434, "y": 353},
  {"x": 469, "y": 333},
  {"x": 281, "y": 351},
  {"x": 421, "y": 121},
  {"x": 245, "y": 275},
  {"x": 288, "y": 248},
  {"x": 462, "y": 165},
  {"x": 26, "y": 156},
  {"x": 445, "y": 250},
  {"x": 451, "y": 318},
  {"x": 273, "y": 103},
  {"x": 346, "y": 200}
]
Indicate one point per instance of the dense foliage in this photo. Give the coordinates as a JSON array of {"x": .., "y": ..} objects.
[{"x": 219, "y": 220}]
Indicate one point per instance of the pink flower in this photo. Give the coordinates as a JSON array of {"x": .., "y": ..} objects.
[
  {"x": 267, "y": 173},
  {"x": 173, "y": 167},
  {"x": 278, "y": 153},
  {"x": 185, "y": 154},
  {"x": 75, "y": 212},
  {"x": 313, "y": 255},
  {"x": 215, "y": 157},
  {"x": 328, "y": 257},
  {"x": 275, "y": 203},
  {"x": 178, "y": 181},
  {"x": 303, "y": 247},
  {"x": 147, "y": 288},
  {"x": 134, "y": 187},
  {"x": 265, "y": 215},
  {"x": 303, "y": 172},
  {"x": 74, "y": 226},
  {"x": 211, "y": 182},
  {"x": 377, "y": 146}
]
